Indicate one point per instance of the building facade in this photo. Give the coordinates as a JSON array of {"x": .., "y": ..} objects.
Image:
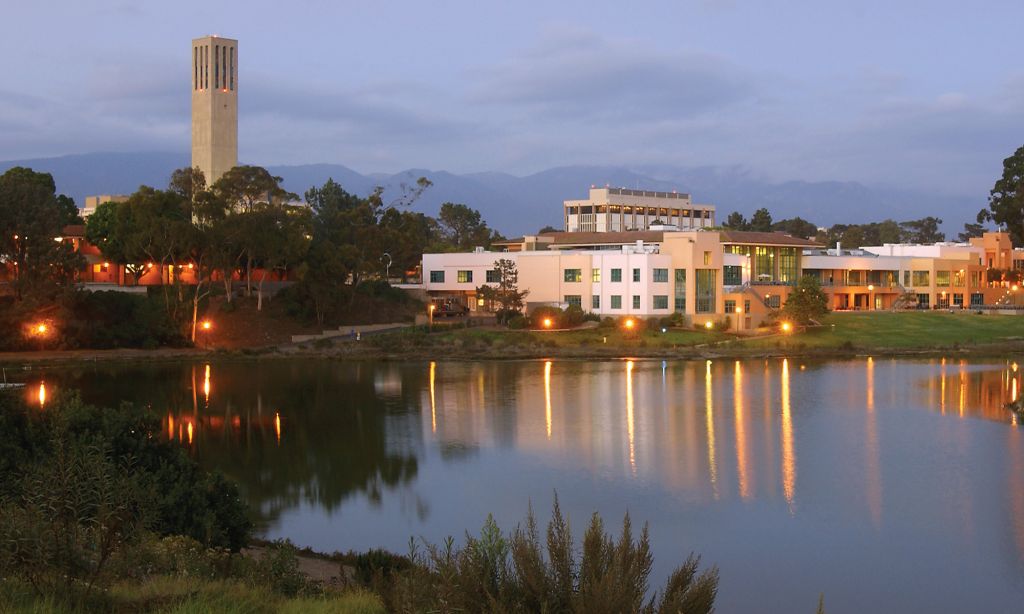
[
  {"x": 619, "y": 209},
  {"x": 214, "y": 105}
]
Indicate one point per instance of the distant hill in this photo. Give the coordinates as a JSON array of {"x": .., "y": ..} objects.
[{"x": 516, "y": 205}]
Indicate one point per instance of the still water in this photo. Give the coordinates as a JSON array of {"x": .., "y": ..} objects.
[{"x": 888, "y": 485}]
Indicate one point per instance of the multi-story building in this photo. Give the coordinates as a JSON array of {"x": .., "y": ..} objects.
[
  {"x": 91, "y": 202},
  {"x": 706, "y": 275},
  {"x": 619, "y": 209}
]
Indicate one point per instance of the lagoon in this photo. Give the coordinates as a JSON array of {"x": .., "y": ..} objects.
[{"x": 886, "y": 484}]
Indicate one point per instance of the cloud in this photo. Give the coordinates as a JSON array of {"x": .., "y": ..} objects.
[{"x": 584, "y": 76}]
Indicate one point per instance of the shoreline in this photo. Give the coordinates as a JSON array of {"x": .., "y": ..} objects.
[{"x": 357, "y": 352}]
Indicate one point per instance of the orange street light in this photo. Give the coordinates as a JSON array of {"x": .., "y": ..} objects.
[
  {"x": 547, "y": 322},
  {"x": 871, "y": 288},
  {"x": 629, "y": 323},
  {"x": 787, "y": 327},
  {"x": 739, "y": 310},
  {"x": 41, "y": 328},
  {"x": 207, "y": 325},
  {"x": 709, "y": 325}
]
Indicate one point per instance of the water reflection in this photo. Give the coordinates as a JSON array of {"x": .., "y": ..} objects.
[{"x": 888, "y": 454}]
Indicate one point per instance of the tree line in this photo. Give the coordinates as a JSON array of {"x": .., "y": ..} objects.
[{"x": 245, "y": 224}]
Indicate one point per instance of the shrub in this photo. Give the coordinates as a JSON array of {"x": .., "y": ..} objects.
[
  {"x": 519, "y": 572},
  {"x": 573, "y": 316},
  {"x": 518, "y": 322},
  {"x": 74, "y": 512},
  {"x": 277, "y": 568},
  {"x": 539, "y": 314}
]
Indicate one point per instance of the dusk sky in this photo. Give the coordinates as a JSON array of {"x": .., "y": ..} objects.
[{"x": 928, "y": 95}]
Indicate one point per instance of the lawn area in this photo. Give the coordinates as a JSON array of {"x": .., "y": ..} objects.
[
  {"x": 901, "y": 330},
  {"x": 595, "y": 337}
]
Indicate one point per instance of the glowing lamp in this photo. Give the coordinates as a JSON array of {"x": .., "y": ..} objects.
[
  {"x": 547, "y": 322},
  {"x": 41, "y": 328},
  {"x": 787, "y": 327},
  {"x": 709, "y": 325},
  {"x": 629, "y": 323},
  {"x": 207, "y": 325},
  {"x": 739, "y": 310},
  {"x": 871, "y": 288}
]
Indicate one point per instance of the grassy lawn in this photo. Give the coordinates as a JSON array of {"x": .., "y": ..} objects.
[
  {"x": 592, "y": 337},
  {"x": 901, "y": 330}
]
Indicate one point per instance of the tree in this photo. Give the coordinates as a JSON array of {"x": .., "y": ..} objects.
[
  {"x": 112, "y": 229},
  {"x": 1006, "y": 199},
  {"x": 243, "y": 187},
  {"x": 187, "y": 182},
  {"x": 547, "y": 229},
  {"x": 924, "y": 230},
  {"x": 807, "y": 302},
  {"x": 464, "y": 228},
  {"x": 971, "y": 231},
  {"x": 32, "y": 217},
  {"x": 761, "y": 221},
  {"x": 506, "y": 294},
  {"x": 736, "y": 221},
  {"x": 796, "y": 227}
]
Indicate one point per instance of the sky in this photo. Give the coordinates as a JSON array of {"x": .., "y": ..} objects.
[{"x": 914, "y": 94}]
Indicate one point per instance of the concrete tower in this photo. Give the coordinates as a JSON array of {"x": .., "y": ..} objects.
[{"x": 214, "y": 105}]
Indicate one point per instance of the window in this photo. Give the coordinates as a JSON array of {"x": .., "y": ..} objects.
[
  {"x": 730, "y": 306},
  {"x": 595, "y": 302},
  {"x": 636, "y": 275},
  {"x": 906, "y": 279},
  {"x": 573, "y": 275},
  {"x": 493, "y": 277},
  {"x": 616, "y": 274},
  {"x": 975, "y": 279},
  {"x": 942, "y": 301},
  {"x": 958, "y": 279},
  {"x": 437, "y": 277},
  {"x": 922, "y": 301},
  {"x": 661, "y": 276},
  {"x": 595, "y": 275},
  {"x": 465, "y": 277},
  {"x": 958, "y": 300},
  {"x": 232, "y": 73},
  {"x": 660, "y": 301},
  {"x": 764, "y": 264},
  {"x": 705, "y": 289},
  {"x": 707, "y": 258},
  {"x": 746, "y": 306},
  {"x": 977, "y": 299},
  {"x": 636, "y": 301},
  {"x": 773, "y": 300},
  {"x": 942, "y": 279},
  {"x": 920, "y": 278},
  {"x": 616, "y": 301},
  {"x": 732, "y": 275},
  {"x": 680, "y": 290},
  {"x": 574, "y": 300},
  {"x": 787, "y": 265}
]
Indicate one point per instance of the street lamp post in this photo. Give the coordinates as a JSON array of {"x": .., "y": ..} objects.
[
  {"x": 387, "y": 266},
  {"x": 206, "y": 326}
]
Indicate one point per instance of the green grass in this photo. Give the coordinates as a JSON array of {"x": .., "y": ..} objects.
[
  {"x": 902, "y": 330},
  {"x": 177, "y": 595},
  {"x": 591, "y": 337}
]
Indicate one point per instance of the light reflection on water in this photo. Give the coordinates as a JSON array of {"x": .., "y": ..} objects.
[{"x": 793, "y": 477}]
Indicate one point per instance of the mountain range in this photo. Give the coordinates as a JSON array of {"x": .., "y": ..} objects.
[{"x": 516, "y": 205}]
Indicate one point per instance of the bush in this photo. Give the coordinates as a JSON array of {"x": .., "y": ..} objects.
[
  {"x": 519, "y": 572},
  {"x": 277, "y": 568},
  {"x": 573, "y": 316},
  {"x": 103, "y": 320},
  {"x": 518, "y": 322},
  {"x": 181, "y": 498},
  {"x": 539, "y": 314}
]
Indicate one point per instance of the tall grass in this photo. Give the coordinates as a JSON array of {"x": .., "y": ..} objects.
[{"x": 521, "y": 572}]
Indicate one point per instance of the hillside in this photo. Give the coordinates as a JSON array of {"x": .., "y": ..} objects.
[{"x": 515, "y": 205}]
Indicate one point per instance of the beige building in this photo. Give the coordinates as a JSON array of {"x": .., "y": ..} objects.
[
  {"x": 91, "y": 202},
  {"x": 617, "y": 209},
  {"x": 214, "y": 105}
]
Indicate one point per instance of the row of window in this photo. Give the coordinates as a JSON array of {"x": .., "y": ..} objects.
[
  {"x": 943, "y": 279},
  {"x": 655, "y": 211},
  {"x": 576, "y": 275},
  {"x": 465, "y": 277},
  {"x": 658, "y": 301},
  {"x": 943, "y": 300}
]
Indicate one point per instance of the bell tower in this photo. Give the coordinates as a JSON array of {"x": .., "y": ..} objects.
[{"x": 214, "y": 105}]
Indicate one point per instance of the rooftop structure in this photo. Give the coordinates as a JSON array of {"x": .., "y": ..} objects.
[
  {"x": 91, "y": 202},
  {"x": 620, "y": 209}
]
